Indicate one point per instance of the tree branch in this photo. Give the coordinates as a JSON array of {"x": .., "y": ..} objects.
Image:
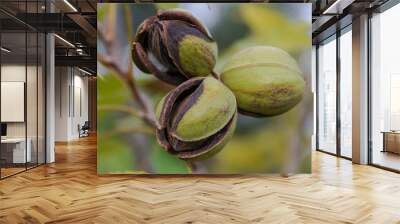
[
  {"x": 195, "y": 167},
  {"x": 111, "y": 62},
  {"x": 215, "y": 74},
  {"x": 113, "y": 58},
  {"x": 124, "y": 109},
  {"x": 118, "y": 131},
  {"x": 149, "y": 115}
]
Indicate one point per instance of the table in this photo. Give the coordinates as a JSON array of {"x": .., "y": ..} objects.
[
  {"x": 391, "y": 141},
  {"x": 18, "y": 151}
]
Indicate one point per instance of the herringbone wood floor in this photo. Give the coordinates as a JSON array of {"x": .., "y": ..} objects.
[{"x": 69, "y": 191}]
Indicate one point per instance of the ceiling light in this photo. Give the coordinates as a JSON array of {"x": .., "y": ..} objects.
[
  {"x": 65, "y": 41},
  {"x": 5, "y": 50},
  {"x": 70, "y": 5},
  {"x": 79, "y": 51},
  {"x": 84, "y": 71},
  {"x": 327, "y": 11}
]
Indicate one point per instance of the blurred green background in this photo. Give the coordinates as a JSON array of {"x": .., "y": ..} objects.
[{"x": 260, "y": 145}]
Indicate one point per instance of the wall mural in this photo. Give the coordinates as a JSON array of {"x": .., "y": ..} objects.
[{"x": 204, "y": 88}]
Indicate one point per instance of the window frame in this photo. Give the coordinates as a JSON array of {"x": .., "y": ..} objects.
[{"x": 334, "y": 37}]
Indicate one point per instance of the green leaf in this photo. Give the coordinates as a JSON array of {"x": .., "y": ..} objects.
[
  {"x": 166, "y": 5},
  {"x": 269, "y": 26},
  {"x": 165, "y": 163},
  {"x": 117, "y": 49},
  {"x": 102, "y": 10},
  {"x": 113, "y": 156},
  {"x": 111, "y": 90}
]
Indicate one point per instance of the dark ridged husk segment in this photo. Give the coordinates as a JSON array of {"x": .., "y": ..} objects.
[
  {"x": 157, "y": 47},
  {"x": 174, "y": 106}
]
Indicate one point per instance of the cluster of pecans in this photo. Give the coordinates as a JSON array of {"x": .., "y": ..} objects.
[{"x": 198, "y": 117}]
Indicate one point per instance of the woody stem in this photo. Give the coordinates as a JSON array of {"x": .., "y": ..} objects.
[{"x": 215, "y": 74}]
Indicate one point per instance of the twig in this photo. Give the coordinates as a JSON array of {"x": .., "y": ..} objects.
[
  {"x": 118, "y": 131},
  {"x": 140, "y": 148},
  {"x": 195, "y": 167},
  {"x": 103, "y": 37},
  {"x": 106, "y": 61},
  {"x": 106, "y": 35},
  {"x": 215, "y": 74},
  {"x": 121, "y": 108},
  {"x": 111, "y": 58},
  {"x": 191, "y": 167},
  {"x": 149, "y": 115}
]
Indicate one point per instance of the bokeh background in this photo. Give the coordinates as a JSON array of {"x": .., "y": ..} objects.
[{"x": 260, "y": 145}]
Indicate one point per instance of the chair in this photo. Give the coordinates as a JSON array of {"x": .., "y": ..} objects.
[{"x": 84, "y": 130}]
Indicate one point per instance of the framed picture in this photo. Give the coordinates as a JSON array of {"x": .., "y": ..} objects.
[{"x": 204, "y": 88}]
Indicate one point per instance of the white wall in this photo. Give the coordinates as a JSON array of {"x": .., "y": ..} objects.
[
  {"x": 13, "y": 101},
  {"x": 71, "y": 102},
  {"x": 16, "y": 73},
  {"x": 80, "y": 110},
  {"x": 33, "y": 126},
  {"x": 61, "y": 103}
]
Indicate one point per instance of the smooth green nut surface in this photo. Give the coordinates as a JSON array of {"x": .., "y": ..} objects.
[
  {"x": 265, "y": 80},
  {"x": 197, "y": 118},
  {"x": 197, "y": 56},
  {"x": 211, "y": 111}
]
